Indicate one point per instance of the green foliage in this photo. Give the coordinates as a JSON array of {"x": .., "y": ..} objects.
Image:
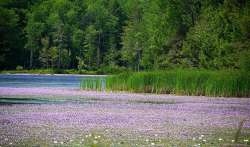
[
  {"x": 138, "y": 35},
  {"x": 245, "y": 62},
  {"x": 84, "y": 28},
  {"x": 11, "y": 35},
  {"x": 218, "y": 38},
  {"x": 184, "y": 82},
  {"x": 111, "y": 69}
]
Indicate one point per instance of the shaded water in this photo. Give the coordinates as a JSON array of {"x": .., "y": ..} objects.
[
  {"x": 24, "y": 101},
  {"x": 13, "y": 100},
  {"x": 22, "y": 80}
]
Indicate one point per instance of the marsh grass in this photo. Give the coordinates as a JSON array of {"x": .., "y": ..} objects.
[
  {"x": 93, "y": 84},
  {"x": 183, "y": 82}
]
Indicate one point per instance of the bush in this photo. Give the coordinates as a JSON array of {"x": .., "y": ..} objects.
[
  {"x": 112, "y": 69},
  {"x": 58, "y": 71},
  {"x": 19, "y": 67}
]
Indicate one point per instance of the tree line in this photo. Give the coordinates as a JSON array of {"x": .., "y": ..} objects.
[{"x": 129, "y": 34}]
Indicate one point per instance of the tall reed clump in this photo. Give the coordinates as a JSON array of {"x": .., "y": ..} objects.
[
  {"x": 183, "y": 82},
  {"x": 93, "y": 84}
]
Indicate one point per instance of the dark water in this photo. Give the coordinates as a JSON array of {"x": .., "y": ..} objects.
[
  {"x": 62, "y": 81},
  {"x": 25, "y": 101},
  {"x": 11, "y": 101}
]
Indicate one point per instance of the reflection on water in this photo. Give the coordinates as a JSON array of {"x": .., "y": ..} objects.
[
  {"x": 9, "y": 101},
  {"x": 18, "y": 80}
]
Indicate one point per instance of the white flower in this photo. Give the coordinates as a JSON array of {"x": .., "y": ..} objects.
[
  {"x": 156, "y": 135},
  {"x": 246, "y": 140},
  {"x": 10, "y": 143},
  {"x": 90, "y": 135},
  {"x": 86, "y": 136},
  {"x": 82, "y": 139},
  {"x": 95, "y": 141},
  {"x": 220, "y": 139},
  {"x": 202, "y": 135},
  {"x": 194, "y": 138},
  {"x": 70, "y": 140},
  {"x": 99, "y": 136},
  {"x": 233, "y": 140},
  {"x": 6, "y": 139},
  {"x": 55, "y": 142},
  {"x": 61, "y": 142},
  {"x": 204, "y": 140},
  {"x": 152, "y": 143},
  {"x": 96, "y": 137},
  {"x": 147, "y": 140}
]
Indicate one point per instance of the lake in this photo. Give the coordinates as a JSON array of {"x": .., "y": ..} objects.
[
  {"x": 51, "y": 110},
  {"x": 32, "y": 80}
]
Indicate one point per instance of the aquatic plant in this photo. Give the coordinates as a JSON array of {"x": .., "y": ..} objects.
[
  {"x": 93, "y": 83},
  {"x": 120, "y": 118},
  {"x": 183, "y": 82}
]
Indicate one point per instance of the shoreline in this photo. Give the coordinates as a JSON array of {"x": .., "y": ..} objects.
[
  {"x": 58, "y": 91},
  {"x": 84, "y": 75},
  {"x": 51, "y": 72}
]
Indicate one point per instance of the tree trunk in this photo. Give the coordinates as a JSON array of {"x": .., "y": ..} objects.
[
  {"x": 139, "y": 59},
  {"x": 59, "y": 58},
  {"x": 193, "y": 19},
  {"x": 98, "y": 50},
  {"x": 31, "y": 58}
]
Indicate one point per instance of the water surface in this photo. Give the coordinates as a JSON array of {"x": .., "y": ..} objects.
[{"x": 29, "y": 80}]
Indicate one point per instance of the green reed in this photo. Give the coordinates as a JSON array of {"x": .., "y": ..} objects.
[
  {"x": 93, "y": 84},
  {"x": 183, "y": 82}
]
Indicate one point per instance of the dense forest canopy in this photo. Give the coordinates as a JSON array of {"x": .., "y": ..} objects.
[{"x": 133, "y": 34}]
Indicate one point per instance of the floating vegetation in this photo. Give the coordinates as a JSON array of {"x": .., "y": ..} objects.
[
  {"x": 126, "y": 124},
  {"x": 120, "y": 119}
]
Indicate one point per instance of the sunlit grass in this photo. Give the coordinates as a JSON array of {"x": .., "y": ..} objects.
[{"x": 183, "y": 82}]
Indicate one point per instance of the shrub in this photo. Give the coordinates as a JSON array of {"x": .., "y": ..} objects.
[{"x": 19, "y": 67}]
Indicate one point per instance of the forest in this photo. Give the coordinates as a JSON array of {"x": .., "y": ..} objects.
[{"x": 124, "y": 34}]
